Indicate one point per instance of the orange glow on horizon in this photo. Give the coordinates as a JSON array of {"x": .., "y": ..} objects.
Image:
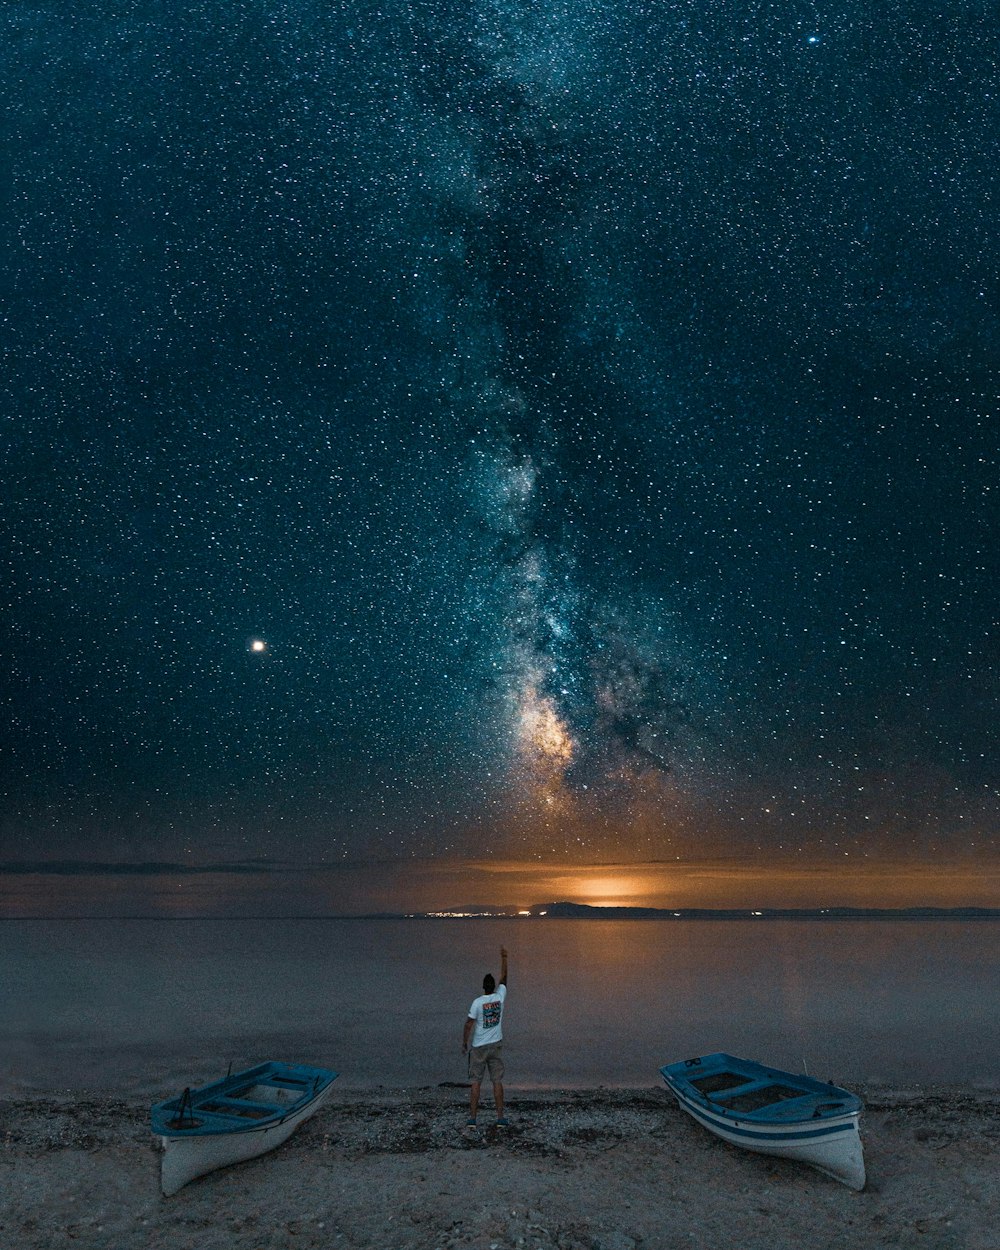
[
  {"x": 612, "y": 890},
  {"x": 449, "y": 885},
  {"x": 713, "y": 884}
]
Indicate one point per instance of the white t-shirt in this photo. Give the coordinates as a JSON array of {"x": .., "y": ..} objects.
[{"x": 487, "y": 1011}]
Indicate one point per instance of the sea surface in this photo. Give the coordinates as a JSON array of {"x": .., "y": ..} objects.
[{"x": 145, "y": 1006}]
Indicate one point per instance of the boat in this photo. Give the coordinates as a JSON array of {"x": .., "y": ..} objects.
[
  {"x": 239, "y": 1117},
  {"x": 773, "y": 1112}
]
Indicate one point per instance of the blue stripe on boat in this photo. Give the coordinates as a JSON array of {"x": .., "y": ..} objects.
[{"x": 760, "y": 1135}]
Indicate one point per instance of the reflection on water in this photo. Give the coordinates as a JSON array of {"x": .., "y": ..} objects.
[{"x": 144, "y": 1004}]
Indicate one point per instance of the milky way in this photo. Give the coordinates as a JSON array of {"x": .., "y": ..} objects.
[{"x": 542, "y": 429}]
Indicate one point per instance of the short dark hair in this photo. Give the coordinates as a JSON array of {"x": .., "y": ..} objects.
[{"x": 489, "y": 985}]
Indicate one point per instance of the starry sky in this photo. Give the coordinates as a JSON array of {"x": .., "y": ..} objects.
[{"x": 462, "y": 428}]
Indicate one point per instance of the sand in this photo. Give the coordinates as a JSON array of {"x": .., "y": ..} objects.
[{"x": 576, "y": 1170}]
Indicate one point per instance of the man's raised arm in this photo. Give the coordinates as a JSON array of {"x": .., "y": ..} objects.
[{"x": 503, "y": 965}]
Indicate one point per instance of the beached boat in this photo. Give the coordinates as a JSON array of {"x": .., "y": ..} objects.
[
  {"x": 237, "y": 1118},
  {"x": 773, "y": 1112}
]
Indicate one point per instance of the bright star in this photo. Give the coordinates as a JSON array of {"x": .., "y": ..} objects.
[{"x": 258, "y": 644}]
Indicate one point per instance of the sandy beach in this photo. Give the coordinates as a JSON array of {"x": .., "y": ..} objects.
[{"x": 605, "y": 1169}]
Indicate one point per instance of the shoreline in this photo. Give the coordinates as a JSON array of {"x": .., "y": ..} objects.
[{"x": 577, "y": 1169}]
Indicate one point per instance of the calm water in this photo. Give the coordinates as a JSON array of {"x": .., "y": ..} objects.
[{"x": 145, "y": 1005}]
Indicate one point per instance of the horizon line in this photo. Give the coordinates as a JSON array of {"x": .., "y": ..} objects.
[{"x": 564, "y": 911}]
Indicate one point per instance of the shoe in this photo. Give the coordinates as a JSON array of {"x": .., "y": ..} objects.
[
  {"x": 470, "y": 1124},
  {"x": 501, "y": 1123}
]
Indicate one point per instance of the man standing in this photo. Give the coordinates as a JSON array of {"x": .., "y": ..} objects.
[{"x": 484, "y": 1027}]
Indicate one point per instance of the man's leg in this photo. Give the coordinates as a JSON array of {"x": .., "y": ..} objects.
[
  {"x": 498, "y": 1098},
  {"x": 473, "y": 1100}
]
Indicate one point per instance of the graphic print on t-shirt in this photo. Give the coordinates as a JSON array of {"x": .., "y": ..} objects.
[{"x": 491, "y": 1014}]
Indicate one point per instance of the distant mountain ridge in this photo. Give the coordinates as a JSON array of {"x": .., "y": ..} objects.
[{"x": 565, "y": 910}]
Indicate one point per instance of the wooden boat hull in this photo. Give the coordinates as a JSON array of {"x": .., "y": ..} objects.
[
  {"x": 278, "y": 1097},
  {"x": 818, "y": 1127}
]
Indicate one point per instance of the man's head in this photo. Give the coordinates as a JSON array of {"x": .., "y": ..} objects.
[{"x": 489, "y": 985}]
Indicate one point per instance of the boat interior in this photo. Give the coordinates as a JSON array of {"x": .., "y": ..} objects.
[
  {"x": 735, "y": 1091},
  {"x": 255, "y": 1102},
  {"x": 259, "y": 1101},
  {"x": 277, "y": 1094}
]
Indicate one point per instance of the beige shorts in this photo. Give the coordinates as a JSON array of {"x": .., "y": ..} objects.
[{"x": 483, "y": 1057}]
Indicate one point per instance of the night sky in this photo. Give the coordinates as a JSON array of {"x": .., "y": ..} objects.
[{"x": 559, "y": 431}]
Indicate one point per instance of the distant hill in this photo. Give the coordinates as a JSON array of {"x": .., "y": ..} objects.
[
  {"x": 583, "y": 911},
  {"x": 566, "y": 910}
]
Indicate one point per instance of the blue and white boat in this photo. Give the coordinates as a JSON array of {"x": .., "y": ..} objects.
[
  {"x": 239, "y": 1117},
  {"x": 773, "y": 1112}
]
